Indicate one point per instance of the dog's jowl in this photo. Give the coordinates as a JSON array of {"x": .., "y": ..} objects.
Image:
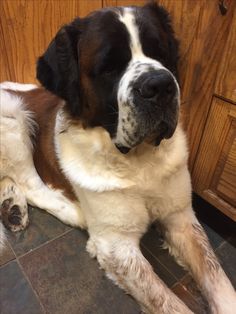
[{"x": 100, "y": 146}]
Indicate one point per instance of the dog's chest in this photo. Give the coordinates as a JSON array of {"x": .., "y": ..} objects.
[{"x": 90, "y": 160}]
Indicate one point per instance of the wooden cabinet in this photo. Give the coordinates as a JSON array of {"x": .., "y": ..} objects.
[
  {"x": 214, "y": 175},
  {"x": 207, "y": 74}
]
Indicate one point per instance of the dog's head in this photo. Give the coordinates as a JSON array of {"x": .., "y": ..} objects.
[{"x": 117, "y": 68}]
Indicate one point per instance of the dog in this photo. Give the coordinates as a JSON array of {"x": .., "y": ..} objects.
[{"x": 100, "y": 146}]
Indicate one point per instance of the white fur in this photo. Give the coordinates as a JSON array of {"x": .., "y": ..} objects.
[
  {"x": 120, "y": 195},
  {"x": 17, "y": 86},
  {"x": 2, "y": 237},
  {"x": 128, "y": 19},
  {"x": 16, "y": 162}
]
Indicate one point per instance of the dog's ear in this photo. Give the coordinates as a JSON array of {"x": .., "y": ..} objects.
[{"x": 58, "y": 67}]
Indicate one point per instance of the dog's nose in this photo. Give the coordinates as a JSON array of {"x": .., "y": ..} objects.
[{"x": 157, "y": 84}]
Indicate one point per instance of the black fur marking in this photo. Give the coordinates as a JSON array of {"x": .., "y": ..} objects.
[
  {"x": 157, "y": 36},
  {"x": 58, "y": 68}
]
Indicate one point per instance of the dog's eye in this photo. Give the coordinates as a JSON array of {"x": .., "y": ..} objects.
[
  {"x": 104, "y": 68},
  {"x": 111, "y": 63},
  {"x": 109, "y": 69}
]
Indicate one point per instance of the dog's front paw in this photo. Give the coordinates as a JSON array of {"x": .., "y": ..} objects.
[
  {"x": 13, "y": 205},
  {"x": 14, "y": 216}
]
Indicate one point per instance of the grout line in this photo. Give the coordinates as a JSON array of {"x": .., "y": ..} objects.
[
  {"x": 180, "y": 280},
  {"x": 221, "y": 244},
  {"x": 44, "y": 243},
  {"x": 9, "y": 244},
  {"x": 189, "y": 292},
  {"x": 7, "y": 263},
  {"x": 186, "y": 291},
  {"x": 31, "y": 286},
  {"x": 170, "y": 272}
]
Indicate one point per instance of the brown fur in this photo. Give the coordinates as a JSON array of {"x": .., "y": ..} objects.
[{"x": 45, "y": 105}]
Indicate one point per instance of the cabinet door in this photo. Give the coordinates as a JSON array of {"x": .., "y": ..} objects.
[
  {"x": 214, "y": 175},
  {"x": 26, "y": 28}
]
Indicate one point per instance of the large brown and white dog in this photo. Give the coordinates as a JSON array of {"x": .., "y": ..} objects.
[{"x": 105, "y": 151}]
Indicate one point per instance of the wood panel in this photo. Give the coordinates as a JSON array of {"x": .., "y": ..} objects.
[
  {"x": 26, "y": 28},
  {"x": 214, "y": 175},
  {"x": 226, "y": 186},
  {"x": 119, "y": 3},
  {"x": 202, "y": 68},
  {"x": 226, "y": 78}
]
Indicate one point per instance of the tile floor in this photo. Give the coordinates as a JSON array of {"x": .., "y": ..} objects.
[{"x": 45, "y": 269}]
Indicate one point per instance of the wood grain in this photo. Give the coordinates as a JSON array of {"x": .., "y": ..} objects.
[
  {"x": 214, "y": 174},
  {"x": 226, "y": 186},
  {"x": 226, "y": 78},
  {"x": 27, "y": 27},
  {"x": 202, "y": 68}
]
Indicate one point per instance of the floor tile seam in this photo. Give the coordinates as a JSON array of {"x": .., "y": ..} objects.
[
  {"x": 31, "y": 285},
  {"x": 43, "y": 244},
  {"x": 9, "y": 243},
  {"x": 7, "y": 263},
  {"x": 167, "y": 269},
  {"x": 181, "y": 282},
  {"x": 220, "y": 246},
  {"x": 185, "y": 289}
]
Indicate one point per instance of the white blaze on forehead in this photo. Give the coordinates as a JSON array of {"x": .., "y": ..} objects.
[{"x": 128, "y": 19}]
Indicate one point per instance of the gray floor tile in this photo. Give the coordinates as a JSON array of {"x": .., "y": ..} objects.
[
  {"x": 159, "y": 269},
  {"x": 188, "y": 299},
  {"x": 153, "y": 243},
  {"x": 16, "y": 295},
  {"x": 189, "y": 284},
  {"x": 7, "y": 254},
  {"x": 68, "y": 280},
  {"x": 215, "y": 238},
  {"x": 227, "y": 256}
]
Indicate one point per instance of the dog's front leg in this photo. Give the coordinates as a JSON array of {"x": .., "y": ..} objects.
[
  {"x": 188, "y": 242},
  {"x": 124, "y": 263}
]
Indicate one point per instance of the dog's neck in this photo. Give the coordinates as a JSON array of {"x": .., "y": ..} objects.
[
  {"x": 89, "y": 158},
  {"x": 77, "y": 149}
]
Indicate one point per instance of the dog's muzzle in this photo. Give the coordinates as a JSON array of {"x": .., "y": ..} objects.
[{"x": 154, "y": 109}]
